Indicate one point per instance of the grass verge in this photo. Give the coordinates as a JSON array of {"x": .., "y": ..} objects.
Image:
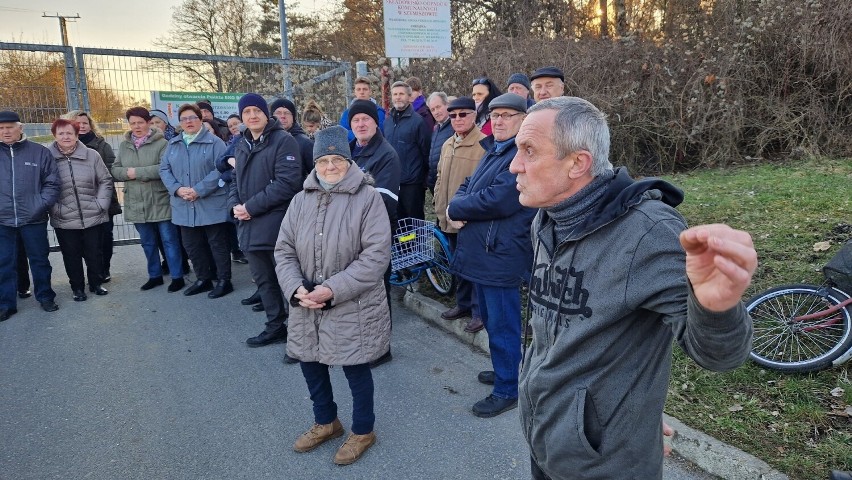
[{"x": 795, "y": 422}]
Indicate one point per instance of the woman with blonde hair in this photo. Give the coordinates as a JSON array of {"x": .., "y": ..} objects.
[
  {"x": 92, "y": 138},
  {"x": 313, "y": 119}
]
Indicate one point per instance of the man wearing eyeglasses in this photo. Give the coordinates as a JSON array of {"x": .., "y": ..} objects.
[
  {"x": 410, "y": 137},
  {"x": 547, "y": 82},
  {"x": 460, "y": 155},
  {"x": 494, "y": 251}
]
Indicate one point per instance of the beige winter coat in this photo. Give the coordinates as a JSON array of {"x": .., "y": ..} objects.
[
  {"x": 85, "y": 189},
  {"x": 341, "y": 239},
  {"x": 458, "y": 161}
]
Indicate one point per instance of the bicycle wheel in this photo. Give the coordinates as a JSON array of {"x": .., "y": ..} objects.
[
  {"x": 786, "y": 342},
  {"x": 439, "y": 273}
]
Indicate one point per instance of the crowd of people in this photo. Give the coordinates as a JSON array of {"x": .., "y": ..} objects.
[{"x": 523, "y": 188}]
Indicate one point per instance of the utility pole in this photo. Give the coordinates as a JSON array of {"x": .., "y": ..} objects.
[
  {"x": 285, "y": 47},
  {"x": 71, "y": 82},
  {"x": 62, "y": 27}
]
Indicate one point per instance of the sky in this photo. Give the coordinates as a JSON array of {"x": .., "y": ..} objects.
[{"x": 103, "y": 23}]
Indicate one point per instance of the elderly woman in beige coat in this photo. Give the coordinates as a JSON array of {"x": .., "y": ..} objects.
[{"x": 332, "y": 252}]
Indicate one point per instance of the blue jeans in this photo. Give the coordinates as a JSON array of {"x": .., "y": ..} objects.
[
  {"x": 500, "y": 309},
  {"x": 171, "y": 243},
  {"x": 38, "y": 249},
  {"x": 360, "y": 383}
]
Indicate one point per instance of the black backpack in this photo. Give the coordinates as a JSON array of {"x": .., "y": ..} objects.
[{"x": 839, "y": 269}]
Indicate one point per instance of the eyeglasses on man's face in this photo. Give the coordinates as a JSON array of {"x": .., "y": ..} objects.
[
  {"x": 336, "y": 161},
  {"x": 190, "y": 118},
  {"x": 459, "y": 114},
  {"x": 504, "y": 116}
]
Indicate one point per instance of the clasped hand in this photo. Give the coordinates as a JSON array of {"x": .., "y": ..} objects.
[
  {"x": 316, "y": 298},
  {"x": 720, "y": 262},
  {"x": 187, "y": 193}
]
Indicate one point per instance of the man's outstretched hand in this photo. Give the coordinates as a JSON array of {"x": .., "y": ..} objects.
[{"x": 720, "y": 262}]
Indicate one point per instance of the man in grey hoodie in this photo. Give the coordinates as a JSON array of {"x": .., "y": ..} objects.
[{"x": 616, "y": 275}]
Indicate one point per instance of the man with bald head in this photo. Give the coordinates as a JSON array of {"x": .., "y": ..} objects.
[{"x": 616, "y": 276}]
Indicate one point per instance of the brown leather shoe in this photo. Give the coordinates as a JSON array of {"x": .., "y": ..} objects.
[
  {"x": 353, "y": 448},
  {"x": 455, "y": 313},
  {"x": 474, "y": 325},
  {"x": 317, "y": 435}
]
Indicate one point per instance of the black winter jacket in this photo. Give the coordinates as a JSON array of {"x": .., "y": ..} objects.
[
  {"x": 408, "y": 135},
  {"x": 306, "y": 148},
  {"x": 267, "y": 176},
  {"x": 439, "y": 136},
  {"x": 29, "y": 183},
  {"x": 380, "y": 160}
]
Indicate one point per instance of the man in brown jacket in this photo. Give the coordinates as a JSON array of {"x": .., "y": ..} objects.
[{"x": 460, "y": 155}]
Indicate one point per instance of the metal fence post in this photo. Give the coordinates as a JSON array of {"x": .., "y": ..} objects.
[
  {"x": 348, "y": 75},
  {"x": 82, "y": 82},
  {"x": 71, "y": 92}
]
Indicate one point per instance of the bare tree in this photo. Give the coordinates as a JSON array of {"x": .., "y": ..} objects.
[{"x": 212, "y": 27}]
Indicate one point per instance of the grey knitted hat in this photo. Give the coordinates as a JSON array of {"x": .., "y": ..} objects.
[{"x": 332, "y": 141}]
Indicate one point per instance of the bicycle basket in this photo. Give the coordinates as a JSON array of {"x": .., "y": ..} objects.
[
  {"x": 839, "y": 269},
  {"x": 412, "y": 243}
]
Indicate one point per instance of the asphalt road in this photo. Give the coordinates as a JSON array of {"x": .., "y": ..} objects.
[{"x": 152, "y": 385}]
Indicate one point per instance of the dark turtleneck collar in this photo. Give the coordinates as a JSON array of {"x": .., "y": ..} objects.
[{"x": 575, "y": 209}]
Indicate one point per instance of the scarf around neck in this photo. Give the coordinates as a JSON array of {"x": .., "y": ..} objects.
[{"x": 575, "y": 209}]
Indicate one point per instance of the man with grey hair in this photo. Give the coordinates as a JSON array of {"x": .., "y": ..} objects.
[
  {"x": 406, "y": 131},
  {"x": 438, "y": 103},
  {"x": 29, "y": 186},
  {"x": 616, "y": 275}
]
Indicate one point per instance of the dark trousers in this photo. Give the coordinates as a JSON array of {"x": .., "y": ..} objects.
[
  {"x": 536, "y": 472},
  {"x": 77, "y": 245},
  {"x": 38, "y": 251},
  {"x": 233, "y": 240},
  {"x": 262, "y": 266},
  {"x": 23, "y": 267},
  {"x": 465, "y": 299},
  {"x": 412, "y": 199},
  {"x": 208, "y": 250},
  {"x": 500, "y": 309},
  {"x": 360, "y": 384},
  {"x": 106, "y": 245}
]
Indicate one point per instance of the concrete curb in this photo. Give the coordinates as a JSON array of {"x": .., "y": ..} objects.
[{"x": 711, "y": 455}]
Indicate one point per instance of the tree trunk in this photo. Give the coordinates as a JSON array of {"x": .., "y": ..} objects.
[
  {"x": 622, "y": 27},
  {"x": 604, "y": 23}
]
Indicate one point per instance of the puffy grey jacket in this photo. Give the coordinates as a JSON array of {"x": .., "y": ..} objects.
[
  {"x": 86, "y": 189},
  {"x": 341, "y": 239},
  {"x": 29, "y": 183},
  {"x": 194, "y": 166}
]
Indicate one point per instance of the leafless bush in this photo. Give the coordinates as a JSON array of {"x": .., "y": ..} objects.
[{"x": 736, "y": 81}]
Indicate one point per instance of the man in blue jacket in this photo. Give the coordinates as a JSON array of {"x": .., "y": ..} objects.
[
  {"x": 616, "y": 276},
  {"x": 363, "y": 90},
  {"x": 406, "y": 131},
  {"x": 29, "y": 186},
  {"x": 494, "y": 251}
]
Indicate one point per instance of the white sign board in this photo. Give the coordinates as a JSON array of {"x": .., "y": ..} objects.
[
  {"x": 224, "y": 104},
  {"x": 417, "y": 28}
]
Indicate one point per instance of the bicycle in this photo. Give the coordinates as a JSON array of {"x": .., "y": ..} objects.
[
  {"x": 801, "y": 328},
  {"x": 420, "y": 246}
]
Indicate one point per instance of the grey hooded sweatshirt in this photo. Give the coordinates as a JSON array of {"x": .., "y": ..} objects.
[{"x": 606, "y": 301}]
